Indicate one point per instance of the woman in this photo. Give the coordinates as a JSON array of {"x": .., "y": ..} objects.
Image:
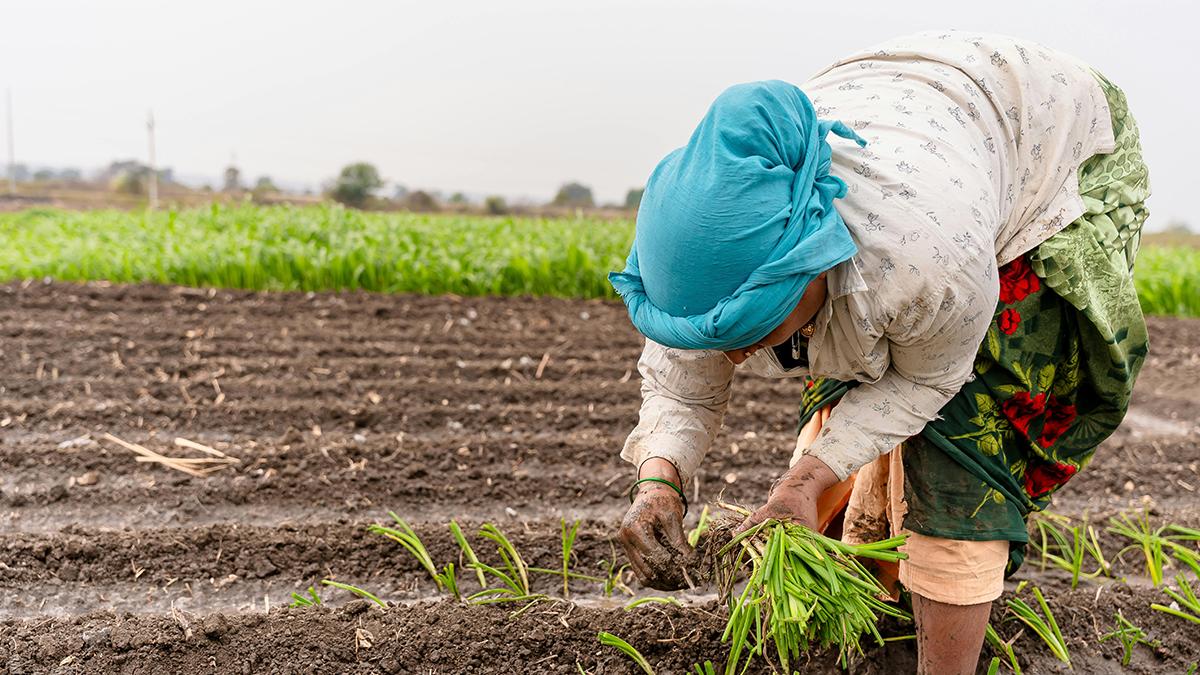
[{"x": 964, "y": 315}]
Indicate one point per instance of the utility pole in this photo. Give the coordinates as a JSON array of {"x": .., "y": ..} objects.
[
  {"x": 12, "y": 162},
  {"x": 153, "y": 165}
]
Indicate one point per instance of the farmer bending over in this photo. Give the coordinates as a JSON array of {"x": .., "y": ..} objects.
[{"x": 962, "y": 318}]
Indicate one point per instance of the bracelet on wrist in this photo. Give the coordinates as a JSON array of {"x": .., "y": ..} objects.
[{"x": 678, "y": 490}]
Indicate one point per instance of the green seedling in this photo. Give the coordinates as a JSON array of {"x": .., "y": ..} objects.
[
  {"x": 310, "y": 600},
  {"x": 513, "y": 573},
  {"x": 1155, "y": 543},
  {"x": 1145, "y": 539},
  {"x": 568, "y": 542},
  {"x": 1188, "y": 555},
  {"x": 1185, "y": 598},
  {"x": 804, "y": 589},
  {"x": 610, "y": 640},
  {"x": 693, "y": 537},
  {"x": 448, "y": 579},
  {"x": 406, "y": 537},
  {"x": 1129, "y": 635},
  {"x": 613, "y": 573},
  {"x": 994, "y": 666},
  {"x": 705, "y": 668},
  {"x": 1005, "y": 648},
  {"x": 468, "y": 552},
  {"x": 1045, "y": 626},
  {"x": 1069, "y": 553},
  {"x": 634, "y": 604},
  {"x": 355, "y": 590}
]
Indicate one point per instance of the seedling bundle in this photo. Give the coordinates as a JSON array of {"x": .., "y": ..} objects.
[{"x": 804, "y": 590}]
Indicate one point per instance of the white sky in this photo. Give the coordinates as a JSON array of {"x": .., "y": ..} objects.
[{"x": 505, "y": 97}]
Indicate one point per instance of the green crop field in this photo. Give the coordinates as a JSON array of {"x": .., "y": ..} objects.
[{"x": 328, "y": 247}]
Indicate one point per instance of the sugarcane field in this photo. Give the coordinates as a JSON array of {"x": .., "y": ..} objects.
[{"x": 888, "y": 366}]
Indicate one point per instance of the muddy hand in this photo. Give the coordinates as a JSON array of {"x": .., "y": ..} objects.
[
  {"x": 652, "y": 536},
  {"x": 794, "y": 496}
]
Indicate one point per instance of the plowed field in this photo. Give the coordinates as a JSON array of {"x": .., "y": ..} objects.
[{"x": 341, "y": 407}]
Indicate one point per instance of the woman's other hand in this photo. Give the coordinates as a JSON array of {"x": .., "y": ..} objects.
[
  {"x": 652, "y": 532},
  {"x": 794, "y": 496}
]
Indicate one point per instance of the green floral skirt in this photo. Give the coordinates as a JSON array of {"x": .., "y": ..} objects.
[{"x": 1054, "y": 374}]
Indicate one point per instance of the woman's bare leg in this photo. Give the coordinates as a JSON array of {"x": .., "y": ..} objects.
[{"x": 949, "y": 637}]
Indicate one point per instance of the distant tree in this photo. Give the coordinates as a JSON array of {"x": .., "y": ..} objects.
[
  {"x": 1177, "y": 227},
  {"x": 263, "y": 188},
  {"x": 130, "y": 182},
  {"x": 400, "y": 193},
  {"x": 420, "y": 201},
  {"x": 574, "y": 194},
  {"x": 71, "y": 175},
  {"x": 355, "y": 184},
  {"x": 43, "y": 174},
  {"x": 633, "y": 198},
  {"x": 458, "y": 199},
  {"x": 495, "y": 205},
  {"x": 264, "y": 185},
  {"x": 233, "y": 179}
]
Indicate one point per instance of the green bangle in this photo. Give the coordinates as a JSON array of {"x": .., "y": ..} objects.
[{"x": 678, "y": 490}]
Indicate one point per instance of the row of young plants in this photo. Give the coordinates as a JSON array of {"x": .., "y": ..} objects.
[
  {"x": 806, "y": 590},
  {"x": 331, "y": 248}
]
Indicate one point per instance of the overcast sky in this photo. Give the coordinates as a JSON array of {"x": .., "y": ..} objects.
[{"x": 505, "y": 97}]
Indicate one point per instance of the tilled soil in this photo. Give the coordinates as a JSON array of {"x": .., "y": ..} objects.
[{"x": 341, "y": 407}]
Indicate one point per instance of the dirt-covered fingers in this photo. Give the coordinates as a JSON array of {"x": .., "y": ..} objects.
[
  {"x": 634, "y": 545},
  {"x": 671, "y": 527}
]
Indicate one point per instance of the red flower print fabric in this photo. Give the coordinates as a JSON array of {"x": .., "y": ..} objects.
[
  {"x": 1009, "y": 320},
  {"x": 1017, "y": 281},
  {"x": 1042, "y": 478},
  {"x": 1021, "y": 409},
  {"x": 1059, "y": 417}
]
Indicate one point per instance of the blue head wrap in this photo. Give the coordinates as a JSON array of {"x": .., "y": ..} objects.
[{"x": 733, "y": 226}]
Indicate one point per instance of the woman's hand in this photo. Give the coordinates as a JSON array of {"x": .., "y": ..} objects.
[
  {"x": 652, "y": 532},
  {"x": 794, "y": 496}
]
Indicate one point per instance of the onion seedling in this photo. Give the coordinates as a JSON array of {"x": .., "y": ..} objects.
[
  {"x": 468, "y": 552},
  {"x": 1184, "y": 599},
  {"x": 1046, "y": 628},
  {"x": 355, "y": 590},
  {"x": 406, "y": 537},
  {"x": 1129, "y": 635},
  {"x": 633, "y": 604},
  {"x": 612, "y": 578},
  {"x": 1069, "y": 555},
  {"x": 514, "y": 576},
  {"x": 1145, "y": 539},
  {"x": 693, "y": 537},
  {"x": 804, "y": 588},
  {"x": 568, "y": 542},
  {"x": 1156, "y": 542},
  {"x": 610, "y": 640},
  {"x": 1005, "y": 648},
  {"x": 310, "y": 600}
]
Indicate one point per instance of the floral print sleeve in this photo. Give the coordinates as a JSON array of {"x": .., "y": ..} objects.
[{"x": 684, "y": 396}]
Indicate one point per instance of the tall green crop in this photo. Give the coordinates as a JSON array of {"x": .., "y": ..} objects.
[
  {"x": 318, "y": 248},
  {"x": 328, "y": 247}
]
